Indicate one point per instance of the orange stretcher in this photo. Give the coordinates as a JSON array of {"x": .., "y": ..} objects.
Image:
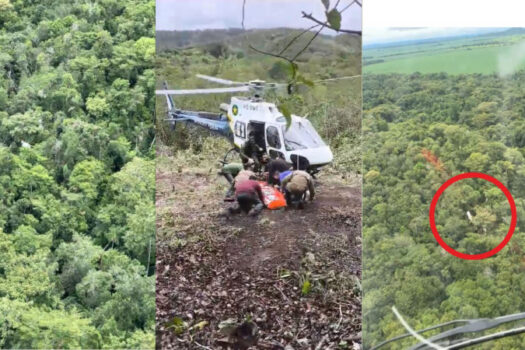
[{"x": 273, "y": 198}]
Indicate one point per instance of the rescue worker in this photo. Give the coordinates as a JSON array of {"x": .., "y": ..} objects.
[
  {"x": 235, "y": 173},
  {"x": 273, "y": 166},
  {"x": 295, "y": 185},
  {"x": 264, "y": 162},
  {"x": 230, "y": 171},
  {"x": 249, "y": 198},
  {"x": 245, "y": 174},
  {"x": 278, "y": 176},
  {"x": 251, "y": 150}
]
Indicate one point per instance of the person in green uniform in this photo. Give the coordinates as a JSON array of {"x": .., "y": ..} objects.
[
  {"x": 230, "y": 171},
  {"x": 252, "y": 151}
]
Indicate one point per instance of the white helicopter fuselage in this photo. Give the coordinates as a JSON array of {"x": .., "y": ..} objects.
[{"x": 299, "y": 142}]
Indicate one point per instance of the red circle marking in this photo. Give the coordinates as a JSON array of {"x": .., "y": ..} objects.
[{"x": 433, "y": 221}]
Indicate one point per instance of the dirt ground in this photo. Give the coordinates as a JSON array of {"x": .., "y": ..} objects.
[{"x": 287, "y": 279}]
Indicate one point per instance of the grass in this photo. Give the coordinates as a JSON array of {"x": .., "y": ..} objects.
[{"x": 452, "y": 58}]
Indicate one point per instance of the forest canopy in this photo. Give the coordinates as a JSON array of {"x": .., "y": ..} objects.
[
  {"x": 419, "y": 130},
  {"x": 77, "y": 233}
]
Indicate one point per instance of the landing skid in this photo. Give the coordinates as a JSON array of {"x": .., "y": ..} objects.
[{"x": 231, "y": 156}]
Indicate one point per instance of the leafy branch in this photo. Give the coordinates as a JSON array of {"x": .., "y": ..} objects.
[
  {"x": 333, "y": 17},
  {"x": 333, "y": 21}
]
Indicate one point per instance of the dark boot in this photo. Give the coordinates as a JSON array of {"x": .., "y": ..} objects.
[
  {"x": 235, "y": 209},
  {"x": 230, "y": 194},
  {"x": 257, "y": 208}
]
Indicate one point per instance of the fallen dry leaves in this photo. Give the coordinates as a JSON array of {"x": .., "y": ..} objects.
[{"x": 285, "y": 280}]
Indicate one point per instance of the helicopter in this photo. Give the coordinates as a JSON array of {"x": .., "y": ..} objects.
[{"x": 297, "y": 142}]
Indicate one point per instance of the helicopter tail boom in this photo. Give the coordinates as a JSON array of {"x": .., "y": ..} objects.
[
  {"x": 215, "y": 123},
  {"x": 169, "y": 100}
]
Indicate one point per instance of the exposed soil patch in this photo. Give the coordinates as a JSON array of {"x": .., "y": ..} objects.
[{"x": 293, "y": 273}]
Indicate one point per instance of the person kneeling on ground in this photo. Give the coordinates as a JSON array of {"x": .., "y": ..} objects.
[
  {"x": 249, "y": 198},
  {"x": 276, "y": 165},
  {"x": 230, "y": 171},
  {"x": 235, "y": 173},
  {"x": 279, "y": 176},
  {"x": 295, "y": 186},
  {"x": 245, "y": 174}
]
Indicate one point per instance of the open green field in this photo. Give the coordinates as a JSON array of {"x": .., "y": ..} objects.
[{"x": 485, "y": 55}]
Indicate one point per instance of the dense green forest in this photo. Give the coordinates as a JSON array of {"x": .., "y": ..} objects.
[
  {"x": 418, "y": 131},
  {"x": 77, "y": 233}
]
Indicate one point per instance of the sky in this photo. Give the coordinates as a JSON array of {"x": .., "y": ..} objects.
[
  {"x": 373, "y": 35},
  {"x": 220, "y": 14}
]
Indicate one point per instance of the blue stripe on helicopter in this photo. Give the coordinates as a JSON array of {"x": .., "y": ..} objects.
[{"x": 221, "y": 126}]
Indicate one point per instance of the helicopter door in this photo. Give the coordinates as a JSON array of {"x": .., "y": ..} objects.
[
  {"x": 258, "y": 129},
  {"x": 274, "y": 142},
  {"x": 239, "y": 133}
]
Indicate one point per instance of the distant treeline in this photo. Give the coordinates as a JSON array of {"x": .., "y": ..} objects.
[
  {"x": 169, "y": 40},
  {"x": 237, "y": 40}
]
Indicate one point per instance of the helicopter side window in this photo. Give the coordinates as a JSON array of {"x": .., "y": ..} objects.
[
  {"x": 272, "y": 137},
  {"x": 301, "y": 135},
  {"x": 240, "y": 129}
]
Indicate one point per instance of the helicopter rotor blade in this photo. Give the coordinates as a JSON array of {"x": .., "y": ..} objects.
[
  {"x": 257, "y": 85},
  {"x": 219, "y": 80},
  {"x": 277, "y": 85},
  {"x": 339, "y": 78},
  {"x": 203, "y": 91}
]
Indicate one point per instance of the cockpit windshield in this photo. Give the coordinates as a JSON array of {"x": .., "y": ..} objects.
[{"x": 301, "y": 135}]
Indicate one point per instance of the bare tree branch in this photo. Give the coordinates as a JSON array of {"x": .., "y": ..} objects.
[
  {"x": 350, "y": 4},
  {"x": 243, "y": 9},
  {"x": 309, "y": 42},
  {"x": 310, "y": 17},
  {"x": 292, "y": 64},
  {"x": 318, "y": 23},
  {"x": 297, "y": 37}
]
